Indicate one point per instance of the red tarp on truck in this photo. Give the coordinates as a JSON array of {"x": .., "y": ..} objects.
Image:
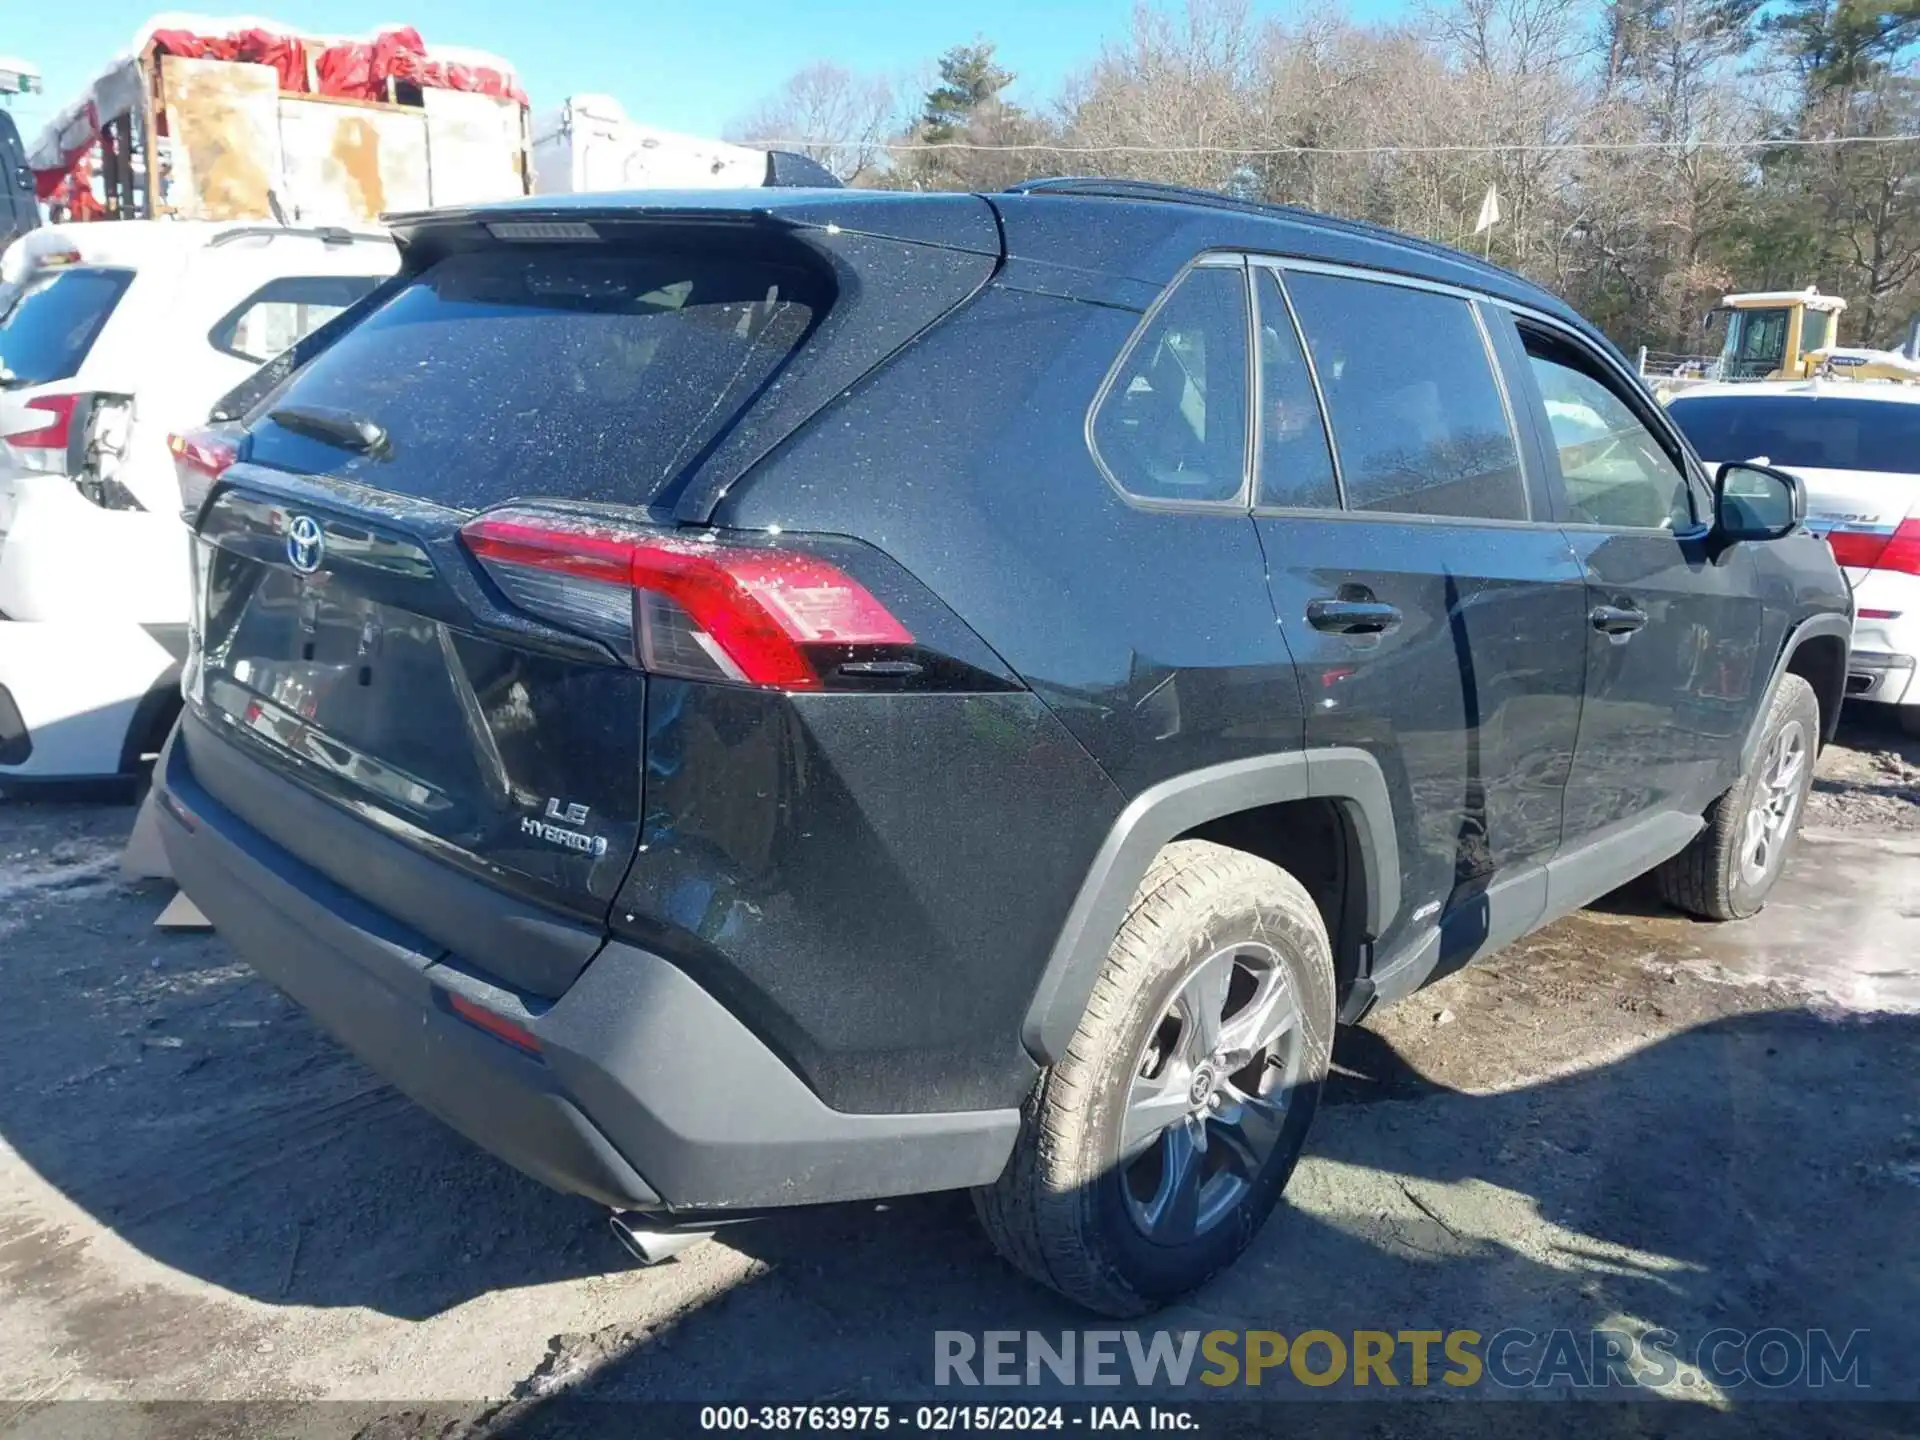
[{"x": 344, "y": 68}]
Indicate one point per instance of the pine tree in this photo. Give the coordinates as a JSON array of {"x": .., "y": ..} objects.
[
  {"x": 1661, "y": 51},
  {"x": 965, "y": 109},
  {"x": 1845, "y": 44},
  {"x": 969, "y": 81}
]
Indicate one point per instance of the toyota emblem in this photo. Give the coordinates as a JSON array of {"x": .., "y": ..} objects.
[{"x": 306, "y": 544}]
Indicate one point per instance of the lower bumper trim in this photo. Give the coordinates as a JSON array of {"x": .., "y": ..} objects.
[
  {"x": 1879, "y": 676},
  {"x": 639, "y": 1073}
]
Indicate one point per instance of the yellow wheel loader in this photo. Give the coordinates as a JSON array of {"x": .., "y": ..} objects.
[{"x": 1791, "y": 335}]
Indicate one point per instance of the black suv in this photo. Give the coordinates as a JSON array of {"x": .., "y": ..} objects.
[
  {"x": 735, "y": 701},
  {"x": 19, "y": 207}
]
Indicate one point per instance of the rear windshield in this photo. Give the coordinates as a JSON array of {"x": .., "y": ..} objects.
[
  {"x": 582, "y": 373},
  {"x": 1812, "y": 432},
  {"x": 50, "y": 322}
]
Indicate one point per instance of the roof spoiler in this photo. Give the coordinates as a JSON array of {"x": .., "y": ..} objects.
[{"x": 789, "y": 168}]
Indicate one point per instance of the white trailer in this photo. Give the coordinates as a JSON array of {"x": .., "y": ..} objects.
[{"x": 587, "y": 143}]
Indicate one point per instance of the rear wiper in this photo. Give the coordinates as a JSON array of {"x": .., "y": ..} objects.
[{"x": 335, "y": 427}]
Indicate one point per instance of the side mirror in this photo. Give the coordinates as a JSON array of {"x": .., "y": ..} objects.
[{"x": 1757, "y": 502}]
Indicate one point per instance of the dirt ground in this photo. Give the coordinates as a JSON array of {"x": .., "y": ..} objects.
[
  {"x": 1629, "y": 1120},
  {"x": 1869, "y": 778}
]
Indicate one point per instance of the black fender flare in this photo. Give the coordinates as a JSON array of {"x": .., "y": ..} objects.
[
  {"x": 1350, "y": 777},
  {"x": 1840, "y": 626}
]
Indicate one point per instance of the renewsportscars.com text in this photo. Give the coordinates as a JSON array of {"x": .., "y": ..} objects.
[{"x": 1512, "y": 1358}]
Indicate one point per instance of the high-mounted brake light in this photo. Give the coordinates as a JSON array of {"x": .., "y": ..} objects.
[
  {"x": 678, "y": 606},
  {"x": 493, "y": 1023},
  {"x": 1865, "y": 551},
  {"x": 542, "y": 230},
  {"x": 44, "y": 447},
  {"x": 200, "y": 457}
]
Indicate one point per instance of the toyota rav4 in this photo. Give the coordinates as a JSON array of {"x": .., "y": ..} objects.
[{"x": 736, "y": 701}]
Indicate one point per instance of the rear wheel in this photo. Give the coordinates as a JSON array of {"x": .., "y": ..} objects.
[
  {"x": 1726, "y": 872},
  {"x": 1154, "y": 1150}
]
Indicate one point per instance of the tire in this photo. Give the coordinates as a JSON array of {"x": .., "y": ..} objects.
[
  {"x": 1716, "y": 877},
  {"x": 1909, "y": 716},
  {"x": 1067, "y": 1211}
]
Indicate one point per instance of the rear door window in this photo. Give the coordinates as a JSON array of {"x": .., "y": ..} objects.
[
  {"x": 284, "y": 311},
  {"x": 52, "y": 320},
  {"x": 1296, "y": 466},
  {"x": 1825, "y": 432},
  {"x": 1417, "y": 415},
  {"x": 588, "y": 373},
  {"x": 1172, "y": 425}
]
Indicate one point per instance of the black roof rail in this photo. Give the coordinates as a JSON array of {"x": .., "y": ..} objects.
[{"x": 1109, "y": 189}]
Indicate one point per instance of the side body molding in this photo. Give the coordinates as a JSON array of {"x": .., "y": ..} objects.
[{"x": 1159, "y": 814}]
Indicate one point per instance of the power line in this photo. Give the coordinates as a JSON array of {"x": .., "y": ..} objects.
[{"x": 1039, "y": 147}]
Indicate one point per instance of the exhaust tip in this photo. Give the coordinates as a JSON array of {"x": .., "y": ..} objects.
[{"x": 650, "y": 1246}]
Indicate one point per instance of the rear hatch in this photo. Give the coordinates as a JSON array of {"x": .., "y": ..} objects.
[
  {"x": 49, "y": 320},
  {"x": 406, "y": 600}
]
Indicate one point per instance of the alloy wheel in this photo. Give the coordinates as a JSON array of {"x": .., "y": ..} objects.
[
  {"x": 1209, "y": 1097},
  {"x": 1775, "y": 804}
]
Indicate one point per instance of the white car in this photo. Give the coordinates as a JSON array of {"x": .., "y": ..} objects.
[
  {"x": 1856, "y": 445},
  {"x": 113, "y": 336}
]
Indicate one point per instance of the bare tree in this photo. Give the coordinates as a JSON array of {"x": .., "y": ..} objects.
[
  {"x": 1870, "y": 194},
  {"x": 1175, "y": 98},
  {"x": 830, "y": 114},
  {"x": 1637, "y": 144}
]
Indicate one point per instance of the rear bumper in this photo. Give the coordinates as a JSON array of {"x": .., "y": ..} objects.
[
  {"x": 647, "y": 1093},
  {"x": 1882, "y": 678},
  {"x": 1886, "y": 637},
  {"x": 76, "y": 697},
  {"x": 64, "y": 558}
]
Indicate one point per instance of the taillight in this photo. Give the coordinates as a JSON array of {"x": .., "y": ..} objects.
[
  {"x": 44, "y": 447},
  {"x": 1903, "y": 550},
  {"x": 1863, "y": 550},
  {"x": 752, "y": 615},
  {"x": 200, "y": 457}
]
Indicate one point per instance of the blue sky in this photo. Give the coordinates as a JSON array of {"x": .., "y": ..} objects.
[{"x": 678, "y": 64}]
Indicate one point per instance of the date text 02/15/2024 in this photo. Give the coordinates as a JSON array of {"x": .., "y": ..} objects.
[{"x": 941, "y": 1419}]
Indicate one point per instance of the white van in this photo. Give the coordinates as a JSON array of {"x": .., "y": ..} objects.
[{"x": 114, "y": 335}]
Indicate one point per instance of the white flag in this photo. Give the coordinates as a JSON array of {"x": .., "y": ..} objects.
[{"x": 1489, "y": 210}]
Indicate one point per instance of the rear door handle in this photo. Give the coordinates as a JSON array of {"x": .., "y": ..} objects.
[
  {"x": 1620, "y": 620},
  {"x": 1352, "y": 617}
]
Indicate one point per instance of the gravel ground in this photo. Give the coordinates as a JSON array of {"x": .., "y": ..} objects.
[
  {"x": 1868, "y": 779},
  {"x": 1620, "y": 1121}
]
